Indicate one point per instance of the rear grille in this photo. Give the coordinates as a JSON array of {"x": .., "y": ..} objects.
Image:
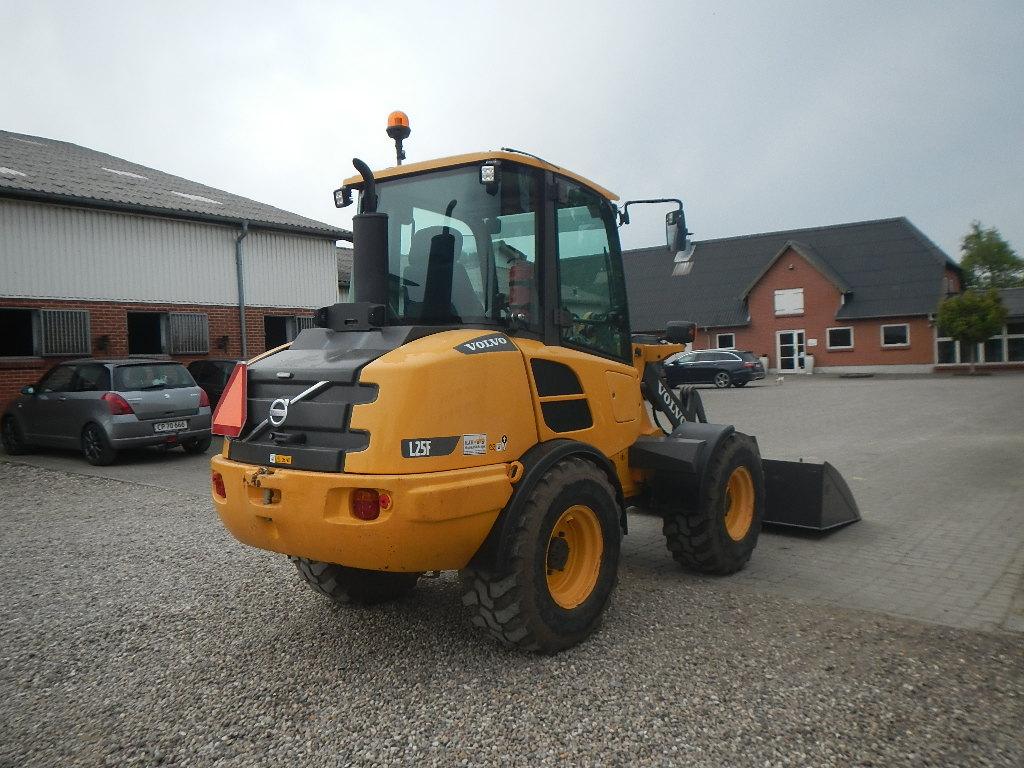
[{"x": 315, "y": 433}]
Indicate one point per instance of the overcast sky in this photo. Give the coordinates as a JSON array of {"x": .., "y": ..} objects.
[{"x": 760, "y": 116}]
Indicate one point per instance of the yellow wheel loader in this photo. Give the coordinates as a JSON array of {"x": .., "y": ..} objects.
[{"x": 480, "y": 407}]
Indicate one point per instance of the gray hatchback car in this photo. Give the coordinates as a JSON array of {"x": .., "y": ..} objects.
[{"x": 103, "y": 406}]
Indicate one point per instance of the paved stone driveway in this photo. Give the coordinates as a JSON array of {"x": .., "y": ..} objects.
[
  {"x": 937, "y": 467},
  {"x": 936, "y": 464}
]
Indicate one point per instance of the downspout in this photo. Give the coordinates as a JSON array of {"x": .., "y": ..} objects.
[{"x": 241, "y": 288}]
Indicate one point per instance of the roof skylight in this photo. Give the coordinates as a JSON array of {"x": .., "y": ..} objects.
[
  {"x": 197, "y": 198},
  {"x": 126, "y": 173}
]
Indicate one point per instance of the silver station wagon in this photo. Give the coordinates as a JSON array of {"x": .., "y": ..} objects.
[{"x": 103, "y": 406}]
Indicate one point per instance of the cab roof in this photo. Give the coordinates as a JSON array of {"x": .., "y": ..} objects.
[{"x": 473, "y": 158}]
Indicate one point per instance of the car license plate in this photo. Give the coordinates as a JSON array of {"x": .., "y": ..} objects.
[{"x": 170, "y": 426}]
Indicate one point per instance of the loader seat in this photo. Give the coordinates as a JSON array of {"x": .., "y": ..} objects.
[{"x": 436, "y": 285}]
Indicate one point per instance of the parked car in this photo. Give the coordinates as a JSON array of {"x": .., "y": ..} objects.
[
  {"x": 212, "y": 375},
  {"x": 721, "y": 367},
  {"x": 104, "y": 406}
]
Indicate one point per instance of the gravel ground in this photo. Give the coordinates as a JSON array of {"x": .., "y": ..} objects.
[{"x": 135, "y": 631}]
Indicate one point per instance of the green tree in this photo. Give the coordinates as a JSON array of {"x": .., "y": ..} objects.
[
  {"x": 971, "y": 318},
  {"x": 989, "y": 261}
]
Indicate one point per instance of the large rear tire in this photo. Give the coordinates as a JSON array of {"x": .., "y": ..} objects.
[
  {"x": 718, "y": 534},
  {"x": 346, "y": 585},
  {"x": 562, "y": 566}
]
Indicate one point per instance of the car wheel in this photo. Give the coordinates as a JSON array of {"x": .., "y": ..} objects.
[
  {"x": 96, "y": 447},
  {"x": 12, "y": 437},
  {"x": 722, "y": 380},
  {"x": 197, "y": 445}
]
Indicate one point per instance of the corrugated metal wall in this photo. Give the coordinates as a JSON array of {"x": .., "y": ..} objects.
[{"x": 58, "y": 252}]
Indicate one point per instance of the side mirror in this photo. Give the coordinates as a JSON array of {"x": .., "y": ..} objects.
[
  {"x": 679, "y": 243},
  {"x": 680, "y": 331},
  {"x": 29, "y": 390}
]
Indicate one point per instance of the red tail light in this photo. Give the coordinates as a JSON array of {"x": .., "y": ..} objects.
[
  {"x": 229, "y": 418},
  {"x": 749, "y": 365},
  {"x": 204, "y": 401},
  {"x": 118, "y": 405},
  {"x": 365, "y": 504},
  {"x": 217, "y": 480}
]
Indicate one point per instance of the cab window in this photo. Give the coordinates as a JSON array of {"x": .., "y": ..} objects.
[{"x": 592, "y": 288}]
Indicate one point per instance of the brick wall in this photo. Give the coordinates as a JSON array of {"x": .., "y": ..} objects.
[
  {"x": 110, "y": 319},
  {"x": 821, "y": 303}
]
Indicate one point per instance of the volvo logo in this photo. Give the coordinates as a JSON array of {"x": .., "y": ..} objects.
[{"x": 278, "y": 411}]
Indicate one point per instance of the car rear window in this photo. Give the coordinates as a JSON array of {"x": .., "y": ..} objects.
[
  {"x": 129, "y": 378},
  {"x": 750, "y": 357}
]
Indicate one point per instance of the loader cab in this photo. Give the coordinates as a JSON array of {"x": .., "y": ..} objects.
[{"x": 504, "y": 242}]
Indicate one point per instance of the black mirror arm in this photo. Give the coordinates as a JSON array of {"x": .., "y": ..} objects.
[{"x": 624, "y": 213}]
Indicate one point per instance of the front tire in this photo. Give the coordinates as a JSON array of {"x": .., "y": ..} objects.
[
  {"x": 562, "y": 566},
  {"x": 12, "y": 437},
  {"x": 719, "y": 533},
  {"x": 96, "y": 446},
  {"x": 722, "y": 380},
  {"x": 345, "y": 585}
]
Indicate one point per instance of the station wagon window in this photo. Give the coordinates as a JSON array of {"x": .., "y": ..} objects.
[
  {"x": 591, "y": 282},
  {"x": 896, "y": 335},
  {"x": 725, "y": 340},
  {"x": 58, "y": 380},
  {"x": 840, "y": 338}
]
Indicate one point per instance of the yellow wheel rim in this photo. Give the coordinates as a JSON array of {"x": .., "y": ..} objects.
[
  {"x": 574, "y": 556},
  {"x": 739, "y": 503}
]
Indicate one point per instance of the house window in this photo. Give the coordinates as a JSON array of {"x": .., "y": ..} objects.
[
  {"x": 789, "y": 301},
  {"x": 189, "y": 333},
  {"x": 35, "y": 332},
  {"x": 896, "y": 335},
  {"x": 840, "y": 338},
  {"x": 1015, "y": 341},
  {"x": 725, "y": 341},
  {"x": 946, "y": 352}
]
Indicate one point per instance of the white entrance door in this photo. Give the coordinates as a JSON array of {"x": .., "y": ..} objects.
[{"x": 789, "y": 348}]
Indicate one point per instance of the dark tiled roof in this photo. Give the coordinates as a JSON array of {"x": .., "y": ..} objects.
[
  {"x": 40, "y": 168},
  {"x": 1013, "y": 300},
  {"x": 887, "y": 267}
]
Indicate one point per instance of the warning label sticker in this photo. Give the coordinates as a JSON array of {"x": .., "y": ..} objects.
[{"x": 474, "y": 445}]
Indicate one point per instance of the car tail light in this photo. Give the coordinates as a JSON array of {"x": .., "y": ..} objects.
[
  {"x": 204, "y": 401},
  {"x": 118, "y": 405},
  {"x": 229, "y": 418},
  {"x": 749, "y": 365},
  {"x": 217, "y": 480},
  {"x": 365, "y": 504}
]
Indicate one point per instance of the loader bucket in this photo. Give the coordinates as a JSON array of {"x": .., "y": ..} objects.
[{"x": 807, "y": 495}]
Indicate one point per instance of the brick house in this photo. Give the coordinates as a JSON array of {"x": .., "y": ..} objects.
[
  {"x": 848, "y": 297},
  {"x": 100, "y": 256}
]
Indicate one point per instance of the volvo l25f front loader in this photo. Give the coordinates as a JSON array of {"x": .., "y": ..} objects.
[{"x": 480, "y": 407}]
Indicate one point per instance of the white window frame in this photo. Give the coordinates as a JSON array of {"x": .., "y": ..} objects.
[
  {"x": 720, "y": 345},
  {"x": 901, "y": 345},
  {"x": 828, "y": 337},
  {"x": 979, "y": 349},
  {"x": 784, "y": 293}
]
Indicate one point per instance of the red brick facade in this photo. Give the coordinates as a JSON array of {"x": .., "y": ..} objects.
[
  {"x": 821, "y": 301},
  {"x": 110, "y": 319}
]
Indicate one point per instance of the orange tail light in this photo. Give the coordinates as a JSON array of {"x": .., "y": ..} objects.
[{"x": 229, "y": 418}]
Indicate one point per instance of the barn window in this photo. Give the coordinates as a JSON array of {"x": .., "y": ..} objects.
[
  {"x": 789, "y": 301},
  {"x": 64, "y": 332},
  {"x": 18, "y": 338},
  {"x": 189, "y": 333},
  {"x": 282, "y": 329},
  {"x": 147, "y": 333}
]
